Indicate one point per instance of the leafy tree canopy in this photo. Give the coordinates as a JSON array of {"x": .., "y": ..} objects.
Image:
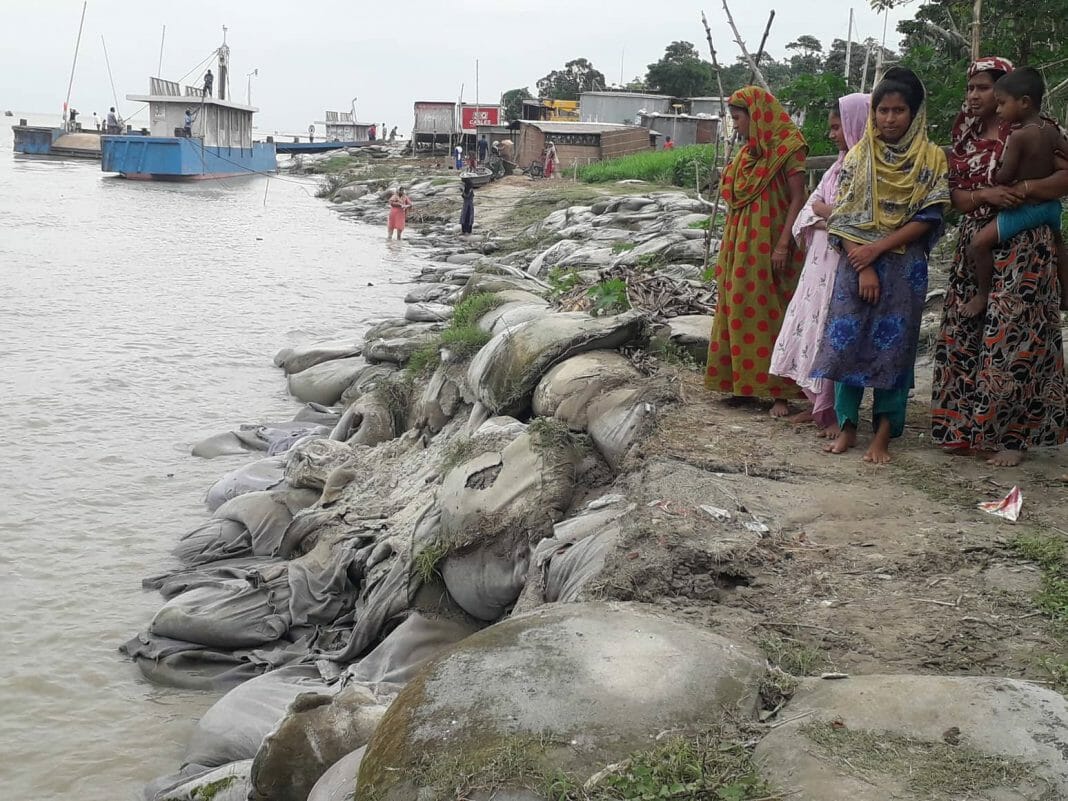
[
  {"x": 681, "y": 73},
  {"x": 512, "y": 103},
  {"x": 577, "y": 76}
]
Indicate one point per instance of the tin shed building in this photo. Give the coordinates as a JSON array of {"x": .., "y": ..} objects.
[
  {"x": 436, "y": 126},
  {"x": 621, "y": 107}
]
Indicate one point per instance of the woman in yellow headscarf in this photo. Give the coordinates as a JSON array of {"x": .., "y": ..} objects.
[
  {"x": 758, "y": 265},
  {"x": 893, "y": 189}
]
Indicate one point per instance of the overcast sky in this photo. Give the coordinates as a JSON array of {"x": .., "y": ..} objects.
[{"x": 318, "y": 55}]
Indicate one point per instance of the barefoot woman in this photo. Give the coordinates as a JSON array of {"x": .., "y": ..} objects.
[
  {"x": 892, "y": 191},
  {"x": 999, "y": 383},
  {"x": 758, "y": 267}
]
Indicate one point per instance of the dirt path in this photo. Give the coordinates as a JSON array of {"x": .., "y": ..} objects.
[{"x": 882, "y": 569}]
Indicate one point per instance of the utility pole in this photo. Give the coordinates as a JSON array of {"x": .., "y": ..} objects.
[{"x": 849, "y": 49}]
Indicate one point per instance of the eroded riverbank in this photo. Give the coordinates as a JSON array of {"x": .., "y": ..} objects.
[{"x": 513, "y": 546}]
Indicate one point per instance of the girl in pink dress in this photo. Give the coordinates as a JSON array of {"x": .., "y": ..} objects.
[
  {"x": 802, "y": 327},
  {"x": 399, "y": 203}
]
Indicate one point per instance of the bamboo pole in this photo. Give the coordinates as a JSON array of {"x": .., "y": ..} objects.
[
  {"x": 719, "y": 137},
  {"x": 741, "y": 43},
  {"x": 74, "y": 65},
  {"x": 763, "y": 42},
  {"x": 977, "y": 28},
  {"x": 849, "y": 49}
]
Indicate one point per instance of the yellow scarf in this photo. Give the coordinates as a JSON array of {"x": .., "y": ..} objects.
[{"x": 883, "y": 186}]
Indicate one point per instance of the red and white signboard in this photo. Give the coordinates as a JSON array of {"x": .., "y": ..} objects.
[{"x": 473, "y": 116}]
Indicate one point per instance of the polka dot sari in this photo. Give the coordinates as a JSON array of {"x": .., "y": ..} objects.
[{"x": 752, "y": 296}]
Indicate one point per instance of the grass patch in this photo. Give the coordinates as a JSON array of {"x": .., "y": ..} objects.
[
  {"x": 548, "y": 433},
  {"x": 703, "y": 767},
  {"x": 700, "y": 225},
  {"x": 651, "y": 261},
  {"x": 609, "y": 297},
  {"x": 1057, "y": 669},
  {"x": 1050, "y": 552},
  {"x": 674, "y": 167},
  {"x": 676, "y": 355},
  {"x": 338, "y": 163},
  {"x": 427, "y": 561},
  {"x": 792, "y": 656},
  {"x": 924, "y": 767},
  {"x": 562, "y": 281},
  {"x": 623, "y": 247},
  {"x": 469, "y": 310},
  {"x": 425, "y": 360},
  {"x": 458, "y": 451},
  {"x": 330, "y": 184}
]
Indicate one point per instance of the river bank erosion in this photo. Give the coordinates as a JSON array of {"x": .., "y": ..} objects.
[{"x": 509, "y": 547}]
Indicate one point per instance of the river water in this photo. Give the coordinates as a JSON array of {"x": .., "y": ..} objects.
[{"x": 135, "y": 319}]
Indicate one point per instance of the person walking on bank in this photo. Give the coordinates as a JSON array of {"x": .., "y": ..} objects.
[
  {"x": 758, "y": 265},
  {"x": 892, "y": 192},
  {"x": 802, "y": 327},
  {"x": 209, "y": 81},
  {"x": 999, "y": 380},
  {"x": 399, "y": 205},
  {"x": 483, "y": 148},
  {"x": 467, "y": 216},
  {"x": 393, "y": 134}
]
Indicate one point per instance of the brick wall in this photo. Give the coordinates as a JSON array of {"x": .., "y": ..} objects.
[{"x": 623, "y": 143}]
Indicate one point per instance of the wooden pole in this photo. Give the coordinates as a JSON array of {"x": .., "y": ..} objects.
[
  {"x": 977, "y": 29},
  {"x": 162, "y": 39},
  {"x": 757, "y": 74},
  {"x": 849, "y": 49},
  {"x": 763, "y": 42}
]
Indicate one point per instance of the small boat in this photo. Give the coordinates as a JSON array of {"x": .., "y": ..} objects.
[
  {"x": 479, "y": 177},
  {"x": 55, "y": 142},
  {"x": 218, "y": 144}
]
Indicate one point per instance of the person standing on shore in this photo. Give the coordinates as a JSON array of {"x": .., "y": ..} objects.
[
  {"x": 551, "y": 159},
  {"x": 893, "y": 191},
  {"x": 399, "y": 204},
  {"x": 96, "y": 121},
  {"x": 372, "y": 133},
  {"x": 669, "y": 144},
  {"x": 802, "y": 327},
  {"x": 999, "y": 381},
  {"x": 483, "y": 148},
  {"x": 758, "y": 265},
  {"x": 467, "y": 216},
  {"x": 393, "y": 134}
]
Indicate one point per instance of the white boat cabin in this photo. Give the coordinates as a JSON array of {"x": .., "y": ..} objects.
[
  {"x": 220, "y": 123},
  {"x": 341, "y": 127}
]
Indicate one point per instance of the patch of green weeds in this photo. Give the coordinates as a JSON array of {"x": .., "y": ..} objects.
[
  {"x": 676, "y": 355},
  {"x": 650, "y": 262},
  {"x": 623, "y": 247},
  {"x": 792, "y": 656},
  {"x": 464, "y": 343},
  {"x": 925, "y": 767},
  {"x": 1049, "y": 551},
  {"x": 425, "y": 360},
  {"x": 548, "y": 433},
  {"x": 562, "y": 281},
  {"x": 513, "y": 761},
  {"x": 457, "y": 452},
  {"x": 703, "y": 767},
  {"x": 609, "y": 297},
  {"x": 330, "y": 184},
  {"x": 469, "y": 310},
  {"x": 700, "y": 225},
  {"x": 427, "y": 561}
]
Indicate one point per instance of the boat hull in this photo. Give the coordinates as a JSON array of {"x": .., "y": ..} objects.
[
  {"x": 173, "y": 158},
  {"x": 48, "y": 142},
  {"x": 316, "y": 147}
]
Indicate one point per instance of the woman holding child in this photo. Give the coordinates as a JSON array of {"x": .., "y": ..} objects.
[
  {"x": 892, "y": 191},
  {"x": 999, "y": 381}
]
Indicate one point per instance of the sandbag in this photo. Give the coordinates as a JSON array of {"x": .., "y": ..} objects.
[
  {"x": 487, "y": 580},
  {"x": 324, "y": 383},
  {"x": 227, "y": 783},
  {"x": 577, "y": 551},
  {"x": 339, "y": 782},
  {"x": 235, "y": 725},
  {"x": 299, "y": 358},
  {"x": 263, "y": 474}
]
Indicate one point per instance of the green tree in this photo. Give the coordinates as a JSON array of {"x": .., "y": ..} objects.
[
  {"x": 807, "y": 57},
  {"x": 681, "y": 73},
  {"x": 936, "y": 45},
  {"x": 512, "y": 102},
  {"x": 577, "y": 76},
  {"x": 815, "y": 95}
]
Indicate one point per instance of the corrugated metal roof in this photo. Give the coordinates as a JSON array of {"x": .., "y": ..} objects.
[
  {"x": 577, "y": 127},
  {"x": 628, "y": 94}
]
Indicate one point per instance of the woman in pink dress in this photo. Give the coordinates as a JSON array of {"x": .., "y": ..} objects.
[
  {"x": 399, "y": 203},
  {"x": 802, "y": 326}
]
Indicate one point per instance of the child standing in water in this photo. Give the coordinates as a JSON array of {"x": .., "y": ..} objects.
[{"x": 1031, "y": 153}]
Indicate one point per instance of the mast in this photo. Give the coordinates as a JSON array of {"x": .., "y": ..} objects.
[
  {"x": 477, "y": 109},
  {"x": 77, "y": 44},
  {"x": 162, "y": 39},
  {"x": 224, "y": 66}
]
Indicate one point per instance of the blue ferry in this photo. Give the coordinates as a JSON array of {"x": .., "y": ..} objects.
[{"x": 218, "y": 143}]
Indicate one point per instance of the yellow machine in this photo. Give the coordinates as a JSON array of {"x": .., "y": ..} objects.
[{"x": 551, "y": 110}]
